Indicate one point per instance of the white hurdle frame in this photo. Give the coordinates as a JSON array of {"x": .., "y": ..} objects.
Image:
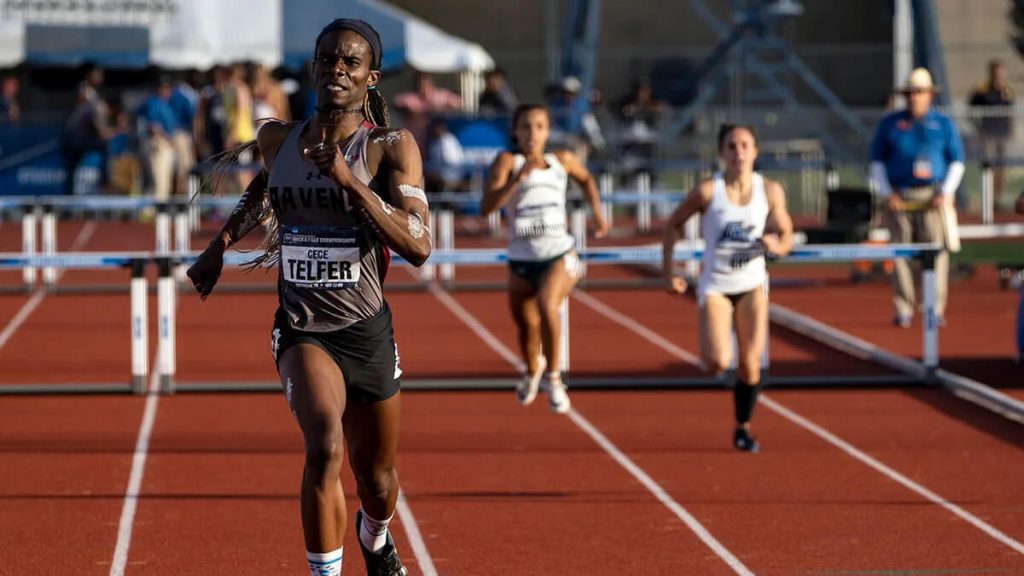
[
  {"x": 427, "y": 270},
  {"x": 446, "y": 241},
  {"x": 987, "y": 194},
  {"x": 167, "y": 294},
  {"x": 182, "y": 238},
  {"x": 643, "y": 211},
  {"x": 167, "y": 299},
  {"x": 48, "y": 230},
  {"x": 163, "y": 228},
  {"x": 140, "y": 326},
  {"x": 138, "y": 319},
  {"x": 28, "y": 245}
]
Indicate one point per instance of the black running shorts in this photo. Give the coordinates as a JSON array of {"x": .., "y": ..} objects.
[{"x": 365, "y": 352}]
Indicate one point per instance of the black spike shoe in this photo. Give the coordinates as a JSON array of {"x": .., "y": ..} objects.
[
  {"x": 743, "y": 441},
  {"x": 384, "y": 562}
]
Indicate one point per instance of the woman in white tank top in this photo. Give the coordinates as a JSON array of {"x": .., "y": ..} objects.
[
  {"x": 531, "y": 186},
  {"x": 743, "y": 217}
]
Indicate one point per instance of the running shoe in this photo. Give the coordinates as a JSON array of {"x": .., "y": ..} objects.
[
  {"x": 558, "y": 398},
  {"x": 526, "y": 389},
  {"x": 742, "y": 440},
  {"x": 385, "y": 562}
]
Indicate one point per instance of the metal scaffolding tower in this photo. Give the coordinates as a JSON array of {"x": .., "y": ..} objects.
[{"x": 751, "y": 47}]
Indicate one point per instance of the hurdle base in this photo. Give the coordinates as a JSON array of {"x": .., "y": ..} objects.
[{"x": 166, "y": 384}]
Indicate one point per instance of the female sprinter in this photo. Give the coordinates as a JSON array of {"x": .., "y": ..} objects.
[
  {"x": 543, "y": 264},
  {"x": 344, "y": 189},
  {"x": 737, "y": 206}
]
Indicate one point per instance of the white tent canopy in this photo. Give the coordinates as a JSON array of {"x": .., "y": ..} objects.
[
  {"x": 201, "y": 33},
  {"x": 195, "y": 34},
  {"x": 406, "y": 39}
]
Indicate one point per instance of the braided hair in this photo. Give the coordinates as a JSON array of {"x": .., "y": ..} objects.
[{"x": 253, "y": 211}]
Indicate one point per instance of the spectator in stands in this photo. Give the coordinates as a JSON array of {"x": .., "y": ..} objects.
[
  {"x": 640, "y": 106},
  {"x": 9, "y": 109},
  {"x": 641, "y": 115},
  {"x": 122, "y": 149},
  {"x": 561, "y": 99},
  {"x": 157, "y": 126},
  {"x": 211, "y": 116},
  {"x": 268, "y": 99},
  {"x": 424, "y": 102},
  {"x": 917, "y": 162},
  {"x": 86, "y": 130},
  {"x": 498, "y": 98},
  {"x": 443, "y": 166},
  {"x": 238, "y": 108},
  {"x": 994, "y": 98},
  {"x": 183, "y": 102}
]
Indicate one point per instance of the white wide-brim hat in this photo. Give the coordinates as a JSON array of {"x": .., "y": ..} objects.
[{"x": 920, "y": 80}]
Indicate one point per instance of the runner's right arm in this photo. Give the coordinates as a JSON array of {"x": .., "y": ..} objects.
[
  {"x": 696, "y": 201},
  {"x": 247, "y": 214},
  {"x": 253, "y": 207}
]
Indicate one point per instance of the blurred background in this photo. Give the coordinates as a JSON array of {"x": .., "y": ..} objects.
[{"x": 637, "y": 87}]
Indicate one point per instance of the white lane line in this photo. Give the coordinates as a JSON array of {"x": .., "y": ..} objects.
[
  {"x": 37, "y": 297},
  {"x": 19, "y": 318},
  {"x": 638, "y": 328},
  {"x": 652, "y": 486},
  {"x": 893, "y": 474},
  {"x": 477, "y": 328},
  {"x": 412, "y": 532},
  {"x": 411, "y": 527},
  {"x": 878, "y": 466},
  {"x": 131, "y": 493}
]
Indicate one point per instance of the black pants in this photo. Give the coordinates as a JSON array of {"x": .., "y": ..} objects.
[{"x": 73, "y": 156}]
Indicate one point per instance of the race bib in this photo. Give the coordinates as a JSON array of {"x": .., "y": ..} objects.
[
  {"x": 539, "y": 221},
  {"x": 320, "y": 257},
  {"x": 922, "y": 168},
  {"x": 735, "y": 258}
]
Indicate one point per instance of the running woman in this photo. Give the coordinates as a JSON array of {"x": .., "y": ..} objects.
[
  {"x": 743, "y": 218},
  {"x": 345, "y": 190},
  {"x": 531, "y": 185}
]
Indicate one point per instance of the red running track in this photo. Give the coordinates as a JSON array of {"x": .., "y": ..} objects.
[{"x": 494, "y": 488}]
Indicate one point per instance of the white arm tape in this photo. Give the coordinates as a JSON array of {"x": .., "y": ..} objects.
[
  {"x": 410, "y": 191},
  {"x": 954, "y": 175}
]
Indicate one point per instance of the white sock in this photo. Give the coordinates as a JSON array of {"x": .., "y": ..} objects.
[
  {"x": 554, "y": 377},
  {"x": 325, "y": 564},
  {"x": 374, "y": 533}
]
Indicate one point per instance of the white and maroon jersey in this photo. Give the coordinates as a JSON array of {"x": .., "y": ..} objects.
[{"x": 332, "y": 263}]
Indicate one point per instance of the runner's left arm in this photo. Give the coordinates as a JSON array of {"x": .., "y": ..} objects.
[
  {"x": 778, "y": 239},
  {"x": 579, "y": 173},
  {"x": 403, "y": 225}
]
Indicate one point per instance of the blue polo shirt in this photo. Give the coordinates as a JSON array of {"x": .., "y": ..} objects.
[
  {"x": 901, "y": 141},
  {"x": 158, "y": 111},
  {"x": 184, "y": 109}
]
